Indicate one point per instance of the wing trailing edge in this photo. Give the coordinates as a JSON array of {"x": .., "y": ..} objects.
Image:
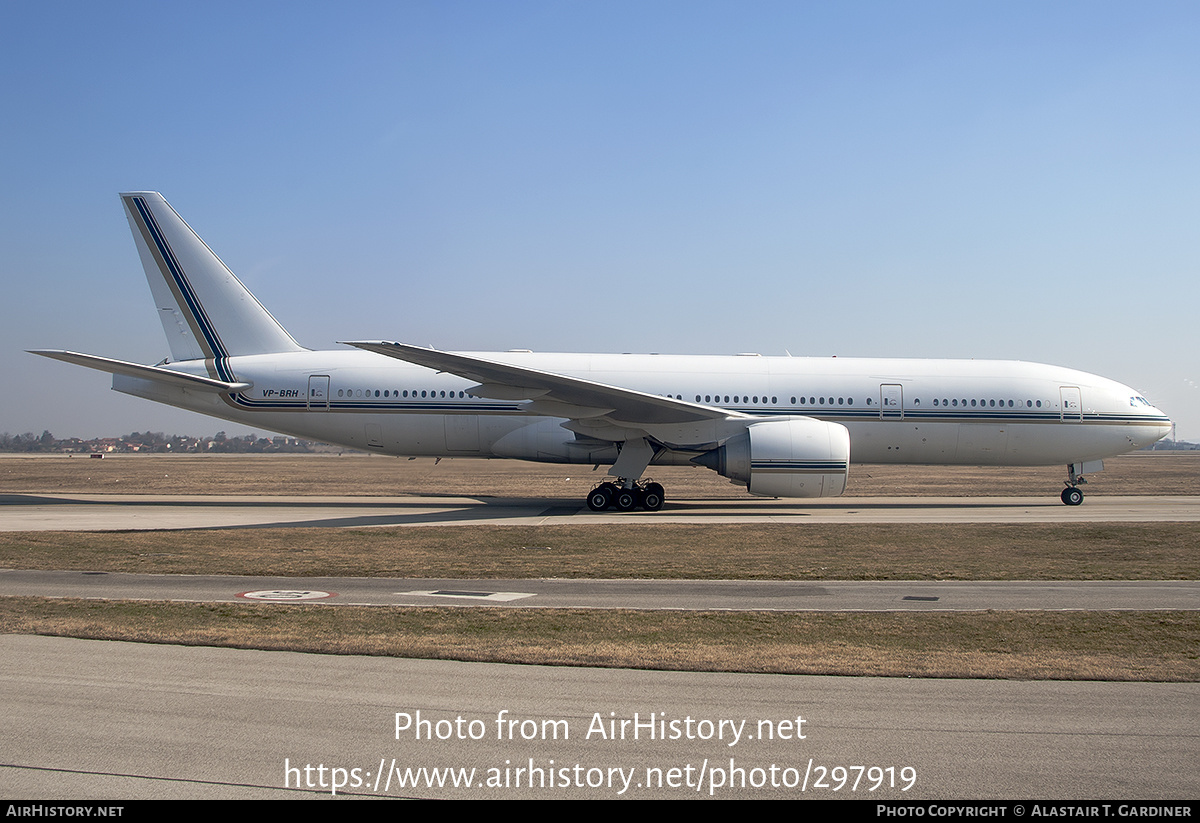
[{"x": 575, "y": 397}]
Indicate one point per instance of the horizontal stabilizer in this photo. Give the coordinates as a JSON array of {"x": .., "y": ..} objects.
[{"x": 177, "y": 378}]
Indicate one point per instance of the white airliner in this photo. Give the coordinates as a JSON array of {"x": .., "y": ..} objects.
[{"x": 781, "y": 426}]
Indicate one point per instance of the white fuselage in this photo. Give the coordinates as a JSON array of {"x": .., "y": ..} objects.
[{"x": 897, "y": 411}]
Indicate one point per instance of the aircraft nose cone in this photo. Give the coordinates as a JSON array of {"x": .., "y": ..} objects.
[
  {"x": 1159, "y": 430},
  {"x": 1166, "y": 428}
]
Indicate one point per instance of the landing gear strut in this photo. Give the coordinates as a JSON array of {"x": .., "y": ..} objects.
[
  {"x": 1072, "y": 495},
  {"x": 626, "y": 498}
]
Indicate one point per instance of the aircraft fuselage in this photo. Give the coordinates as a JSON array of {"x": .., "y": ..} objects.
[{"x": 897, "y": 411}]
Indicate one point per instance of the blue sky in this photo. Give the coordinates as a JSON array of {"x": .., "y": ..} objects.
[{"x": 930, "y": 179}]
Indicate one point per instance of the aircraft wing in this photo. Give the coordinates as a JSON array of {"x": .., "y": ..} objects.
[
  {"x": 176, "y": 378},
  {"x": 553, "y": 394}
]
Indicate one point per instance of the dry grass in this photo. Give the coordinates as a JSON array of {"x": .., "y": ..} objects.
[
  {"x": 1143, "y": 646},
  {"x": 1095, "y": 551}
]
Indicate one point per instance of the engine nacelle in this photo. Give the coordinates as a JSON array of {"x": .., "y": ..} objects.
[{"x": 797, "y": 457}]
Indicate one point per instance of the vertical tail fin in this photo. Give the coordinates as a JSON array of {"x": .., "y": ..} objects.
[{"x": 205, "y": 310}]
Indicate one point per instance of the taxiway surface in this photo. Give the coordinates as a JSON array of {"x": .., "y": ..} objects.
[
  {"x": 99, "y": 719},
  {"x": 107, "y": 512},
  {"x": 103, "y": 719},
  {"x": 725, "y": 595}
]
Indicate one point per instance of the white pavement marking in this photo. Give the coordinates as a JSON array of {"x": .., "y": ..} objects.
[{"x": 501, "y": 597}]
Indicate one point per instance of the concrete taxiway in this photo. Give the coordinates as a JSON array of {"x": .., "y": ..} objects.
[
  {"x": 110, "y": 720},
  {"x": 725, "y": 595},
  {"x": 99, "y": 720},
  {"x": 97, "y": 512}
]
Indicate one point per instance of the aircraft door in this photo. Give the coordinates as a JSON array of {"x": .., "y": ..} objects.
[
  {"x": 318, "y": 391},
  {"x": 1072, "y": 404},
  {"x": 374, "y": 434},
  {"x": 891, "y": 401},
  {"x": 462, "y": 432}
]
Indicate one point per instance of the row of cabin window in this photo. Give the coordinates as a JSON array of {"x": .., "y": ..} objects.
[
  {"x": 990, "y": 403},
  {"x": 398, "y": 393},
  {"x": 849, "y": 401},
  {"x": 754, "y": 400},
  {"x": 802, "y": 401}
]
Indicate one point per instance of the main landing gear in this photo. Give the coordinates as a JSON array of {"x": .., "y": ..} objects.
[
  {"x": 647, "y": 495},
  {"x": 627, "y": 493},
  {"x": 1072, "y": 495}
]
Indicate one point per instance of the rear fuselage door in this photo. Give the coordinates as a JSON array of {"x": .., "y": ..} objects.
[
  {"x": 318, "y": 391},
  {"x": 891, "y": 401}
]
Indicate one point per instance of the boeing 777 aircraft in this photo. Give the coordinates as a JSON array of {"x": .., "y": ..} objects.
[{"x": 780, "y": 426}]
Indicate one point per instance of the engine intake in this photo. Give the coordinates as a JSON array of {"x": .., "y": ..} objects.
[{"x": 796, "y": 457}]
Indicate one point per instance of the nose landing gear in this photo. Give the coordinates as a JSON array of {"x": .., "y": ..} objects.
[{"x": 1072, "y": 495}]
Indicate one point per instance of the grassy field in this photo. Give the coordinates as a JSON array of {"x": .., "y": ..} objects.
[
  {"x": 1151, "y": 646},
  {"x": 1076, "y": 645},
  {"x": 373, "y": 475},
  {"x": 1090, "y": 551}
]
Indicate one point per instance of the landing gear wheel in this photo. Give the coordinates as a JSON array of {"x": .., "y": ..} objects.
[
  {"x": 625, "y": 500},
  {"x": 652, "y": 497},
  {"x": 1072, "y": 496},
  {"x": 600, "y": 498}
]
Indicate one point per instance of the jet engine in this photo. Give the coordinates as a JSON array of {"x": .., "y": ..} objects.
[{"x": 796, "y": 457}]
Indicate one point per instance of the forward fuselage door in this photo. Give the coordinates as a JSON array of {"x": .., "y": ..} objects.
[
  {"x": 891, "y": 401},
  {"x": 1072, "y": 404},
  {"x": 318, "y": 391}
]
